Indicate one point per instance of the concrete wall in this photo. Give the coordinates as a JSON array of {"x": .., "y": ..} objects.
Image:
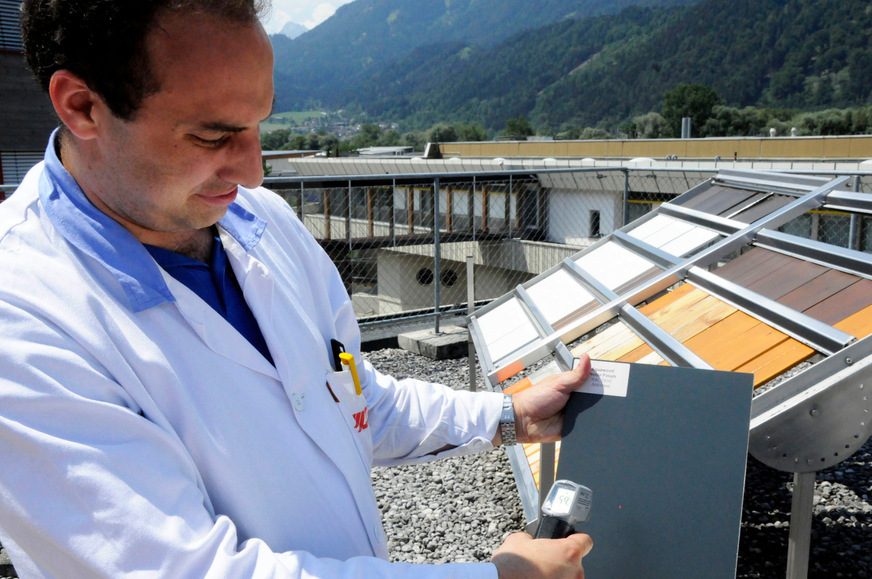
[
  {"x": 570, "y": 213},
  {"x": 851, "y": 147},
  {"x": 499, "y": 266},
  {"x": 398, "y": 289}
]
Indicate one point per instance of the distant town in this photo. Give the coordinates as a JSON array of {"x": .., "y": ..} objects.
[{"x": 305, "y": 122}]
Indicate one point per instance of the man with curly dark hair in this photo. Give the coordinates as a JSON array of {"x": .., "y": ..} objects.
[{"x": 169, "y": 400}]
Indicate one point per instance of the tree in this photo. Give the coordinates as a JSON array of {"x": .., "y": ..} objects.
[
  {"x": 369, "y": 134},
  {"x": 688, "y": 100},
  {"x": 298, "y": 143},
  {"x": 367, "y": 137},
  {"x": 274, "y": 140},
  {"x": 389, "y": 138},
  {"x": 594, "y": 133},
  {"x": 415, "y": 139},
  {"x": 471, "y": 133},
  {"x": 650, "y": 125},
  {"x": 519, "y": 127},
  {"x": 330, "y": 142},
  {"x": 443, "y": 134},
  {"x": 313, "y": 142}
]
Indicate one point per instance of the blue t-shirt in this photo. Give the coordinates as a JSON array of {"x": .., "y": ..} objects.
[{"x": 216, "y": 284}]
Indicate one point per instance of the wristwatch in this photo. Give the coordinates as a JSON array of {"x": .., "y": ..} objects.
[{"x": 507, "y": 422}]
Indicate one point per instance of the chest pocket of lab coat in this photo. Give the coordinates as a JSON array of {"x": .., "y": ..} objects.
[{"x": 354, "y": 412}]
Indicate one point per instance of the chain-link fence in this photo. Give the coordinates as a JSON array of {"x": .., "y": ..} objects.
[
  {"x": 399, "y": 261},
  {"x": 381, "y": 231},
  {"x": 383, "y": 236}
]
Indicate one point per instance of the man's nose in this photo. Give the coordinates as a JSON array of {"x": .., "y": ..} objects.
[{"x": 244, "y": 162}]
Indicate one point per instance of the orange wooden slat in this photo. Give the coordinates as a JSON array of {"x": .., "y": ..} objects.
[
  {"x": 653, "y": 358},
  {"x": 533, "y": 452},
  {"x": 510, "y": 370},
  {"x": 776, "y": 361},
  {"x": 636, "y": 354},
  {"x": 696, "y": 318},
  {"x": 858, "y": 325},
  {"x": 670, "y": 297},
  {"x": 518, "y": 386},
  {"x": 724, "y": 337},
  {"x": 733, "y": 341},
  {"x": 617, "y": 351},
  {"x": 616, "y": 338},
  {"x": 740, "y": 349},
  {"x": 674, "y": 302},
  {"x": 602, "y": 341}
]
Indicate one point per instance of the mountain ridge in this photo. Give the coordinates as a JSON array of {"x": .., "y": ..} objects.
[
  {"x": 365, "y": 35},
  {"x": 602, "y": 71}
]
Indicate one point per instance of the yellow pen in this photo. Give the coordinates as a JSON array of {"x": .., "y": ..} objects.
[{"x": 348, "y": 360}]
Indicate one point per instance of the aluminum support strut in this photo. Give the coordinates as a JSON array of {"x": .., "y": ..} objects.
[{"x": 799, "y": 542}]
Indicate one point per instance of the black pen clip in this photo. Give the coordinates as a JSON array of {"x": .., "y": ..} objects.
[{"x": 336, "y": 348}]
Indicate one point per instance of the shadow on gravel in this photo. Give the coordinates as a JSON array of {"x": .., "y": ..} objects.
[{"x": 841, "y": 525}]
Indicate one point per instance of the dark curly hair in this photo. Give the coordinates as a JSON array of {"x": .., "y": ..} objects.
[{"x": 104, "y": 41}]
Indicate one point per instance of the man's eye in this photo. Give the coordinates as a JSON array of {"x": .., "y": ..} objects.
[{"x": 211, "y": 142}]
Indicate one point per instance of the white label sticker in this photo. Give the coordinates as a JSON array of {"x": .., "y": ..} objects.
[{"x": 607, "y": 378}]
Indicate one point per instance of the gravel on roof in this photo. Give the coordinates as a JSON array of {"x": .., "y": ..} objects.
[{"x": 460, "y": 509}]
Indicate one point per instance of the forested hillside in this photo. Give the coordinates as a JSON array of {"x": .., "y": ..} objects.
[
  {"x": 803, "y": 54},
  {"x": 604, "y": 70},
  {"x": 464, "y": 83},
  {"x": 326, "y": 64}
]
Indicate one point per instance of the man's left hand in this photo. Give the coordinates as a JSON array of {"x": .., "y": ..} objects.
[{"x": 539, "y": 409}]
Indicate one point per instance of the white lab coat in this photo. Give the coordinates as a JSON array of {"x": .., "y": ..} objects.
[{"x": 162, "y": 442}]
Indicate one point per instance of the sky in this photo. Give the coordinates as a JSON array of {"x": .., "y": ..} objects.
[{"x": 309, "y": 13}]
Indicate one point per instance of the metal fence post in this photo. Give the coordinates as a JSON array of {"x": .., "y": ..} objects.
[
  {"x": 509, "y": 206},
  {"x": 348, "y": 223},
  {"x": 472, "y": 209},
  {"x": 625, "y": 219},
  {"x": 325, "y": 195},
  {"x": 854, "y": 231},
  {"x": 394, "y": 212},
  {"x": 436, "y": 249},
  {"x": 470, "y": 309}
]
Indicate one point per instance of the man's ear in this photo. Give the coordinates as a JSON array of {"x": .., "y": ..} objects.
[{"x": 78, "y": 107}]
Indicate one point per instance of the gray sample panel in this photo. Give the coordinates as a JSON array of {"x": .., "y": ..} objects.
[{"x": 666, "y": 465}]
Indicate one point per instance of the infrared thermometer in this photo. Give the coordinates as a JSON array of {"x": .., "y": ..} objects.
[{"x": 567, "y": 503}]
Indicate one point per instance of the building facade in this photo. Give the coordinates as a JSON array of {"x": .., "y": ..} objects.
[{"x": 26, "y": 114}]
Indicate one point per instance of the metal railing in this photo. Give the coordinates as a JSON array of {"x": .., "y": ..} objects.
[
  {"x": 402, "y": 249},
  {"x": 401, "y": 241}
]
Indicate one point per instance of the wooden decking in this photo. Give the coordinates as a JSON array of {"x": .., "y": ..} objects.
[{"x": 729, "y": 339}]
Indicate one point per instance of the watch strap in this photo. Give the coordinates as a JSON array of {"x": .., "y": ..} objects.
[{"x": 507, "y": 422}]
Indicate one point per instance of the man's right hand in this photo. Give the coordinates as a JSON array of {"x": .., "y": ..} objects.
[{"x": 523, "y": 557}]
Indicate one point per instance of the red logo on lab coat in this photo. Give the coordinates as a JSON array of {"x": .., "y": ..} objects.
[{"x": 361, "y": 420}]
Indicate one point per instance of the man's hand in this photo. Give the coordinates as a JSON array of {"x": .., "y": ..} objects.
[
  {"x": 539, "y": 409},
  {"x": 522, "y": 557}
]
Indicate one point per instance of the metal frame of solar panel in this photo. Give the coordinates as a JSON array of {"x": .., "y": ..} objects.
[{"x": 811, "y": 421}]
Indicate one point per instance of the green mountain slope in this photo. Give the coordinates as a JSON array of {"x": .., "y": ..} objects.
[
  {"x": 804, "y": 54},
  {"x": 325, "y": 63},
  {"x": 464, "y": 83}
]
